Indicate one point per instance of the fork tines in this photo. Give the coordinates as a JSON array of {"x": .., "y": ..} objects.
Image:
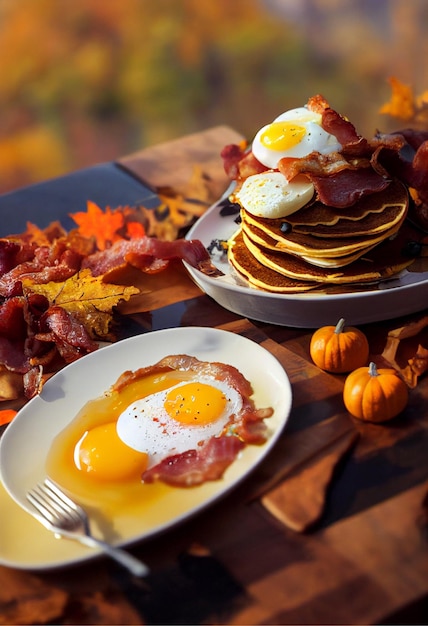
[{"x": 54, "y": 505}]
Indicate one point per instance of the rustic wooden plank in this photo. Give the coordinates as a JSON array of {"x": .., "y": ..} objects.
[
  {"x": 368, "y": 556},
  {"x": 172, "y": 164}
]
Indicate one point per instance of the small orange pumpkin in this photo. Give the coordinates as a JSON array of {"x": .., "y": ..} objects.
[
  {"x": 339, "y": 349},
  {"x": 375, "y": 395}
]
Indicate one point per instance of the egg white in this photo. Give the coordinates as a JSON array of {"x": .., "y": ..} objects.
[
  {"x": 146, "y": 427},
  {"x": 270, "y": 195},
  {"x": 316, "y": 139}
]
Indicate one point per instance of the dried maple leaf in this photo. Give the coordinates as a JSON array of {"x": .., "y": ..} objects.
[
  {"x": 135, "y": 230},
  {"x": 404, "y": 104},
  {"x": 89, "y": 299},
  {"x": 101, "y": 225}
]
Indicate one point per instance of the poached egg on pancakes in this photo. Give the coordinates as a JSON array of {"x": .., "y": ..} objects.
[{"x": 295, "y": 133}]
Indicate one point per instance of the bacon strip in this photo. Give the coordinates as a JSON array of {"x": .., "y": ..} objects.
[
  {"x": 346, "y": 187},
  {"x": 184, "y": 362},
  {"x": 239, "y": 164},
  {"x": 195, "y": 467},
  {"x": 12, "y": 355},
  {"x": 317, "y": 164},
  {"x": 333, "y": 123},
  {"x": 41, "y": 264},
  {"x": 70, "y": 336},
  {"x": 150, "y": 255},
  {"x": 209, "y": 461},
  {"x": 339, "y": 178}
]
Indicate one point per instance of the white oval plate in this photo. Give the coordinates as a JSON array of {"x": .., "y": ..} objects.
[
  {"x": 24, "y": 542},
  {"x": 403, "y": 295}
]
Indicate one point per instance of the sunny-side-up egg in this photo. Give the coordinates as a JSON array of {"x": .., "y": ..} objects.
[
  {"x": 102, "y": 454},
  {"x": 178, "y": 419},
  {"x": 295, "y": 133}
]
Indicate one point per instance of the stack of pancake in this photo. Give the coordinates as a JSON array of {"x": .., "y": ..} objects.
[{"x": 320, "y": 245}]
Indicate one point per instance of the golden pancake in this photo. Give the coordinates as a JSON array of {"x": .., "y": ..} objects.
[
  {"x": 259, "y": 275},
  {"x": 318, "y": 214},
  {"x": 381, "y": 262},
  {"x": 345, "y": 227},
  {"x": 312, "y": 248},
  {"x": 345, "y": 238}
]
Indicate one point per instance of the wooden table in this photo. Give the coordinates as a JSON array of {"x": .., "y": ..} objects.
[{"x": 341, "y": 540}]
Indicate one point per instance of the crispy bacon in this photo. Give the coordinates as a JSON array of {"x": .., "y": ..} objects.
[
  {"x": 232, "y": 154},
  {"x": 239, "y": 164},
  {"x": 347, "y": 186},
  {"x": 35, "y": 335},
  {"x": 411, "y": 169},
  {"x": 411, "y": 136},
  {"x": 33, "y": 381},
  {"x": 12, "y": 355},
  {"x": 12, "y": 322},
  {"x": 41, "y": 264},
  {"x": 69, "y": 335},
  {"x": 8, "y": 251},
  {"x": 184, "y": 362},
  {"x": 344, "y": 131},
  {"x": 150, "y": 255},
  {"x": 208, "y": 461},
  {"x": 317, "y": 164},
  {"x": 195, "y": 467},
  {"x": 341, "y": 178}
]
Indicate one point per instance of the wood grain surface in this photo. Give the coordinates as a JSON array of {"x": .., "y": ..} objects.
[{"x": 331, "y": 528}]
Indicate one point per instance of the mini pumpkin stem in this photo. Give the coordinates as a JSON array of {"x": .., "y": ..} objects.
[
  {"x": 373, "y": 369},
  {"x": 340, "y": 326}
]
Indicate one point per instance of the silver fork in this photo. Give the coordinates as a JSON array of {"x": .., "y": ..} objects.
[{"x": 58, "y": 513}]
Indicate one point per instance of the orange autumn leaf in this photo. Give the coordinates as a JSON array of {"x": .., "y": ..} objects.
[
  {"x": 405, "y": 105},
  {"x": 6, "y": 416},
  {"x": 99, "y": 224},
  {"x": 402, "y": 102},
  {"x": 135, "y": 230}
]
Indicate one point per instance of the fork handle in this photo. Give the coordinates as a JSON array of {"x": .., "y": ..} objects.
[{"x": 131, "y": 563}]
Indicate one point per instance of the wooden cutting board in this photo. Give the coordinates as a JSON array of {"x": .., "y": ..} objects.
[{"x": 172, "y": 164}]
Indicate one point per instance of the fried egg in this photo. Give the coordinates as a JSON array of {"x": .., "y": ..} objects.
[
  {"x": 147, "y": 420},
  {"x": 270, "y": 195},
  {"x": 146, "y": 417},
  {"x": 295, "y": 133},
  {"x": 178, "y": 419},
  {"x": 103, "y": 454}
]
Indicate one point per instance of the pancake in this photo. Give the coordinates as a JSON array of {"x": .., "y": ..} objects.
[
  {"x": 260, "y": 276},
  {"x": 345, "y": 227},
  {"x": 382, "y": 262},
  {"x": 318, "y": 214},
  {"x": 323, "y": 245},
  {"x": 342, "y": 239},
  {"x": 326, "y": 251}
]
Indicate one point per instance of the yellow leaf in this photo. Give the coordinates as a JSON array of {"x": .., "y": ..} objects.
[{"x": 87, "y": 298}]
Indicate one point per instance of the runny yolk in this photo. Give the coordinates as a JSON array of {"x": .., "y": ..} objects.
[
  {"x": 107, "y": 458},
  {"x": 195, "y": 403},
  {"x": 282, "y": 135}
]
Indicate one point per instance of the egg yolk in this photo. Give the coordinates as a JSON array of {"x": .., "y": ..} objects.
[
  {"x": 107, "y": 458},
  {"x": 195, "y": 403},
  {"x": 282, "y": 135}
]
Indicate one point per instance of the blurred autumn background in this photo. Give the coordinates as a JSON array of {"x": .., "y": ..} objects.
[{"x": 86, "y": 81}]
